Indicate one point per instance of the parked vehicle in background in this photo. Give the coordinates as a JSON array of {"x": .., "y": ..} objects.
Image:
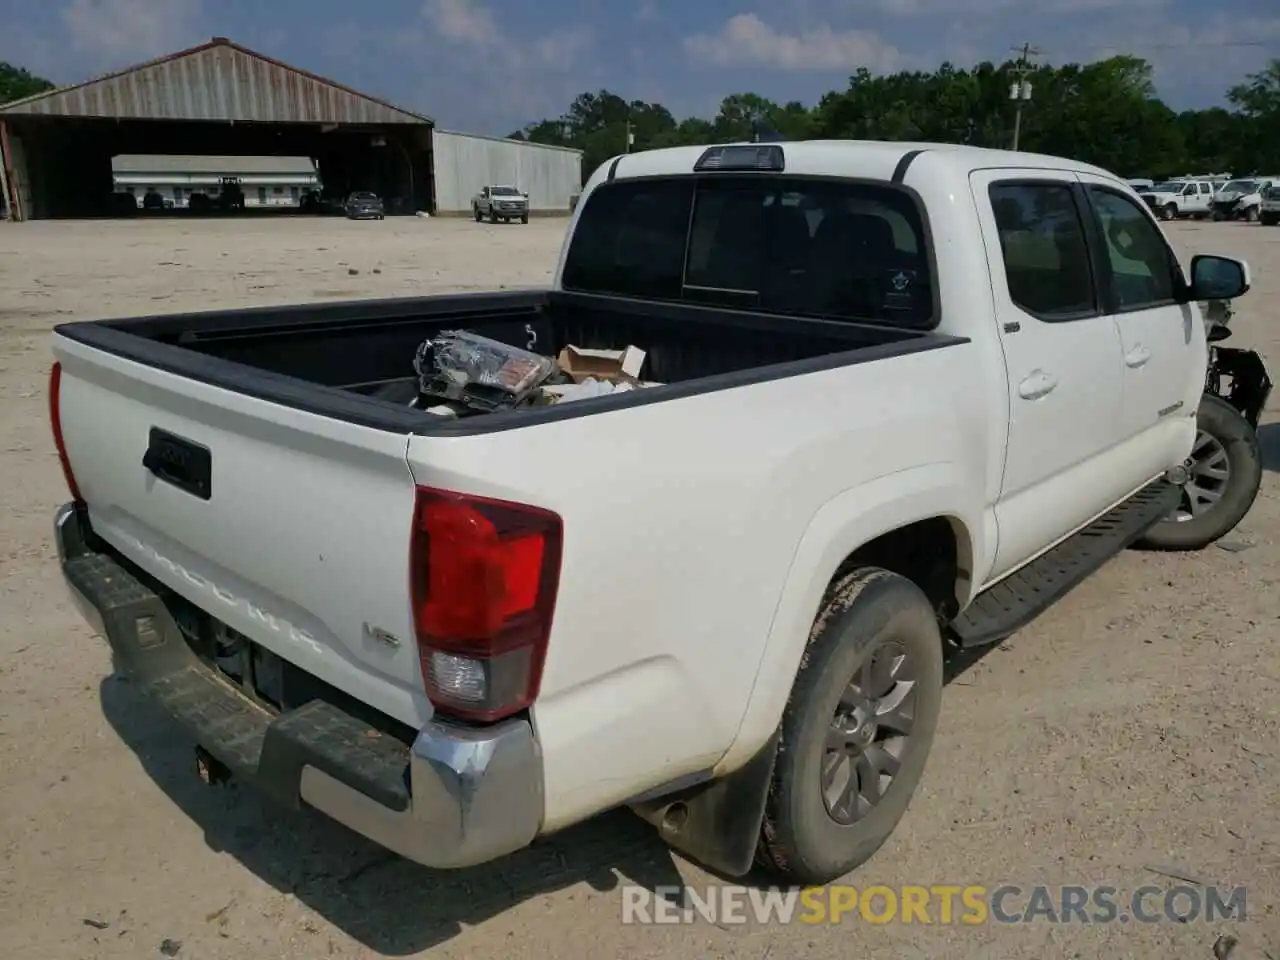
[
  {"x": 1241, "y": 199},
  {"x": 1180, "y": 198},
  {"x": 1141, "y": 185},
  {"x": 1269, "y": 212},
  {"x": 875, "y": 422},
  {"x": 364, "y": 205},
  {"x": 503, "y": 203},
  {"x": 123, "y": 204},
  {"x": 311, "y": 201},
  {"x": 230, "y": 193}
]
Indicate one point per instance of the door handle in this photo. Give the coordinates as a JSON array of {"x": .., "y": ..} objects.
[
  {"x": 1039, "y": 384},
  {"x": 1136, "y": 357}
]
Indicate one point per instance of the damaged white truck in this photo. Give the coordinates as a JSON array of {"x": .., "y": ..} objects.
[{"x": 891, "y": 400}]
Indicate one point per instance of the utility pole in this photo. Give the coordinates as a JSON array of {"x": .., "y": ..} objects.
[
  {"x": 1020, "y": 89},
  {"x": 631, "y": 138}
]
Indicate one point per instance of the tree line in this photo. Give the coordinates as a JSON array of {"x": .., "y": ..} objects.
[{"x": 1106, "y": 113}]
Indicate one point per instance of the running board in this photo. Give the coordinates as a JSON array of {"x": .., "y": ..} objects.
[{"x": 1019, "y": 598}]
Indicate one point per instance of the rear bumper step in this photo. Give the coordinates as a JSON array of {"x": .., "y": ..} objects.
[{"x": 457, "y": 796}]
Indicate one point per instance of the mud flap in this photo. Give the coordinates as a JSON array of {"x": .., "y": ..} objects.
[{"x": 717, "y": 823}]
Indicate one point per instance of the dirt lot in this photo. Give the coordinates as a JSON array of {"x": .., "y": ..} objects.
[{"x": 1137, "y": 725}]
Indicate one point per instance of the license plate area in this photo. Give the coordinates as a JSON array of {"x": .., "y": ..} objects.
[{"x": 269, "y": 680}]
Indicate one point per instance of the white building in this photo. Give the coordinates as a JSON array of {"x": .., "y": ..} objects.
[
  {"x": 266, "y": 181},
  {"x": 464, "y": 162}
]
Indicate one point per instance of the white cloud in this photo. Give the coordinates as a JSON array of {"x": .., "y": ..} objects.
[
  {"x": 122, "y": 31},
  {"x": 471, "y": 24},
  {"x": 463, "y": 21},
  {"x": 522, "y": 76},
  {"x": 931, "y": 8},
  {"x": 746, "y": 39}
]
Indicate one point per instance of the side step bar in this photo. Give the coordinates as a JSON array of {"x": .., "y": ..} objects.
[{"x": 1019, "y": 598}]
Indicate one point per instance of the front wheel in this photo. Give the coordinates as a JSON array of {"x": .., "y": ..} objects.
[
  {"x": 525, "y": 218},
  {"x": 1270, "y": 219},
  {"x": 475, "y": 212},
  {"x": 1169, "y": 212},
  {"x": 1224, "y": 475},
  {"x": 1251, "y": 214},
  {"x": 856, "y": 731}
]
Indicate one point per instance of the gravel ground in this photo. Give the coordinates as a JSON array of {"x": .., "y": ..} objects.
[{"x": 1134, "y": 726}]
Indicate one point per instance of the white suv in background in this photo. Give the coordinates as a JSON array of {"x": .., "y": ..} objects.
[
  {"x": 1180, "y": 198},
  {"x": 1269, "y": 211}
]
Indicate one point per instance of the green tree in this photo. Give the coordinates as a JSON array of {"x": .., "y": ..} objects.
[
  {"x": 1106, "y": 113},
  {"x": 16, "y": 83}
]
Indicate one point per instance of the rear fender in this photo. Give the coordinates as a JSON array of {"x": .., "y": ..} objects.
[{"x": 840, "y": 527}]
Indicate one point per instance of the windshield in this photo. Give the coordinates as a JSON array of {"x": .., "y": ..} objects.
[
  {"x": 505, "y": 192},
  {"x": 1168, "y": 186},
  {"x": 778, "y": 244},
  {"x": 1241, "y": 186}
]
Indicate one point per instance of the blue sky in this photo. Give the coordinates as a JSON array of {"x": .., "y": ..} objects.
[{"x": 489, "y": 66}]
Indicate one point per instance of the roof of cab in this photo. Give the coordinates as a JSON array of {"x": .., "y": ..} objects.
[{"x": 869, "y": 159}]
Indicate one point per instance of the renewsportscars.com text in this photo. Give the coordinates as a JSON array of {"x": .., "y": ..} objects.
[{"x": 968, "y": 905}]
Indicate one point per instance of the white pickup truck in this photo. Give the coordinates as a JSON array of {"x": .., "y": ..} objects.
[{"x": 910, "y": 396}]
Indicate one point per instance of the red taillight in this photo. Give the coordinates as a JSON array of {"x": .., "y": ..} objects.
[
  {"x": 484, "y": 575},
  {"x": 55, "y": 422}
]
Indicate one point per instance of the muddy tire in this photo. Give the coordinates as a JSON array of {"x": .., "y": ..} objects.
[
  {"x": 475, "y": 211},
  {"x": 1169, "y": 212},
  {"x": 856, "y": 731},
  {"x": 525, "y": 218},
  {"x": 1226, "y": 472}
]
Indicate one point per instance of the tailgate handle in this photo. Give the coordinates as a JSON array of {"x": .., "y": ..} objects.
[{"x": 182, "y": 463}]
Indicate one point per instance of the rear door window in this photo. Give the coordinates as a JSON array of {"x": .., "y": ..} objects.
[{"x": 786, "y": 245}]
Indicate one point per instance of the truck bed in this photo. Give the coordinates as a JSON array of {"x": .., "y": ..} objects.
[{"x": 329, "y": 358}]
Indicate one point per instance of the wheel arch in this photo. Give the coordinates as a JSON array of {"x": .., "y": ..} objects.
[{"x": 922, "y": 509}]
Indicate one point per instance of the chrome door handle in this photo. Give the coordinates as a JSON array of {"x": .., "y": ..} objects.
[
  {"x": 1039, "y": 384},
  {"x": 1137, "y": 356}
]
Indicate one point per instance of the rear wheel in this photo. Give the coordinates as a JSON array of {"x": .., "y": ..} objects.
[
  {"x": 1224, "y": 474},
  {"x": 857, "y": 729}
]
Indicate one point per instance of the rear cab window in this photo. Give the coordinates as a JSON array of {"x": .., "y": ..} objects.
[{"x": 835, "y": 249}]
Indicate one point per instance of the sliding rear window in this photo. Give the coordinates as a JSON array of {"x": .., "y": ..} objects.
[{"x": 790, "y": 245}]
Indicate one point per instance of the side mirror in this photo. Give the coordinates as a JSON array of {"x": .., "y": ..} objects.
[{"x": 1218, "y": 278}]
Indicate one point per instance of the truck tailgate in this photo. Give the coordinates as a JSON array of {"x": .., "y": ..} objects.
[{"x": 300, "y": 542}]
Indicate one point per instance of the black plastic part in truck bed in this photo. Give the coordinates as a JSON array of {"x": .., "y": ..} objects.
[
  {"x": 1019, "y": 598},
  {"x": 254, "y": 743}
]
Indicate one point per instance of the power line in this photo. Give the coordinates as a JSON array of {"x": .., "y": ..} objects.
[{"x": 1184, "y": 45}]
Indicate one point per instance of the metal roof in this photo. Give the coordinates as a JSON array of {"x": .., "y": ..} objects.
[
  {"x": 218, "y": 80},
  {"x": 159, "y": 163},
  {"x": 517, "y": 142}
]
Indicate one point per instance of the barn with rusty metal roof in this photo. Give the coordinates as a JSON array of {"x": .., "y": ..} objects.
[{"x": 220, "y": 99}]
